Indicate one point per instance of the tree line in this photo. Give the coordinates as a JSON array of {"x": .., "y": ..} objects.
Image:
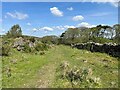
[{"x": 98, "y": 34}]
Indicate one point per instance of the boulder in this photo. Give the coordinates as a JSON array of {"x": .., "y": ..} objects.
[
  {"x": 31, "y": 44},
  {"x": 18, "y": 42},
  {"x": 20, "y": 48}
]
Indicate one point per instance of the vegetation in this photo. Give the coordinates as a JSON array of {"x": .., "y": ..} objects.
[
  {"x": 15, "y": 31},
  {"x": 33, "y": 62},
  {"x": 117, "y": 29},
  {"x": 50, "y": 39},
  {"x": 34, "y": 71},
  {"x": 5, "y": 48},
  {"x": 41, "y": 46},
  {"x": 98, "y": 34}
]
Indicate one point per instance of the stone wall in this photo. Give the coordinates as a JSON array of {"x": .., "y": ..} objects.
[{"x": 111, "y": 49}]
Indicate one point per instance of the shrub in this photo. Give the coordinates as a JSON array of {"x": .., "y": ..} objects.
[
  {"x": 78, "y": 77},
  {"x": 41, "y": 52},
  {"x": 5, "y": 49},
  {"x": 32, "y": 39},
  {"x": 27, "y": 49},
  {"x": 41, "y": 47}
]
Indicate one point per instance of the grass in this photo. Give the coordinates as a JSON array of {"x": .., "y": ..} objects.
[
  {"x": 25, "y": 68},
  {"x": 0, "y": 66},
  {"x": 37, "y": 71}
]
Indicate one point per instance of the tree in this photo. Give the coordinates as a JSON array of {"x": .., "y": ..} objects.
[
  {"x": 50, "y": 39},
  {"x": 15, "y": 31},
  {"x": 75, "y": 35},
  {"x": 117, "y": 30},
  {"x": 70, "y": 36},
  {"x": 98, "y": 34}
]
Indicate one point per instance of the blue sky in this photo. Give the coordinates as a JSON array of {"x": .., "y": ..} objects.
[{"x": 53, "y": 18}]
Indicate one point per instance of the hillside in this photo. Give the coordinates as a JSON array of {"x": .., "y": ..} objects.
[{"x": 36, "y": 71}]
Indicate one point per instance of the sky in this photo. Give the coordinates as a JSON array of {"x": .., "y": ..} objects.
[{"x": 53, "y": 18}]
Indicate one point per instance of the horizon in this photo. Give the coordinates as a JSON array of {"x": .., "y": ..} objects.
[{"x": 53, "y": 18}]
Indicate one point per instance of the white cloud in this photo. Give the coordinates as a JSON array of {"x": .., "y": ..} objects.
[
  {"x": 62, "y": 27},
  {"x": 112, "y": 2},
  {"x": 58, "y": 27},
  {"x": 85, "y": 24},
  {"x": 67, "y": 26},
  {"x": 35, "y": 29},
  {"x": 2, "y": 31},
  {"x": 115, "y": 4},
  {"x": 28, "y": 24},
  {"x": 70, "y": 8},
  {"x": 17, "y": 15},
  {"x": 78, "y": 18},
  {"x": 46, "y": 29},
  {"x": 55, "y": 11}
]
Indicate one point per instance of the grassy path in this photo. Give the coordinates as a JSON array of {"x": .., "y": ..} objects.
[
  {"x": 47, "y": 72},
  {"x": 36, "y": 71},
  {"x": 46, "y": 78}
]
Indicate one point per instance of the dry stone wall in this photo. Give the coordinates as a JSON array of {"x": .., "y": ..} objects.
[{"x": 111, "y": 49}]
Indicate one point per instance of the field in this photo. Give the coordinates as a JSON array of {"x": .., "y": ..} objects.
[{"x": 41, "y": 71}]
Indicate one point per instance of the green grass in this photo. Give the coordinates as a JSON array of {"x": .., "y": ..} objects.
[
  {"x": 25, "y": 69},
  {"x": 30, "y": 69}
]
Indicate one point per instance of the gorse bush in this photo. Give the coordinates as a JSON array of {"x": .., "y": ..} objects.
[
  {"x": 78, "y": 77},
  {"x": 27, "y": 48},
  {"x": 32, "y": 39},
  {"x": 5, "y": 49},
  {"x": 37, "y": 48},
  {"x": 41, "y": 47}
]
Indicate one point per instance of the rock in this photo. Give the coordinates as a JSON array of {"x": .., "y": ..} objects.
[
  {"x": 64, "y": 65},
  {"x": 112, "y": 83},
  {"x": 18, "y": 42},
  {"x": 90, "y": 72},
  {"x": 31, "y": 44},
  {"x": 8, "y": 72},
  {"x": 14, "y": 61},
  {"x": 109, "y": 48},
  {"x": 20, "y": 48},
  {"x": 85, "y": 61}
]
